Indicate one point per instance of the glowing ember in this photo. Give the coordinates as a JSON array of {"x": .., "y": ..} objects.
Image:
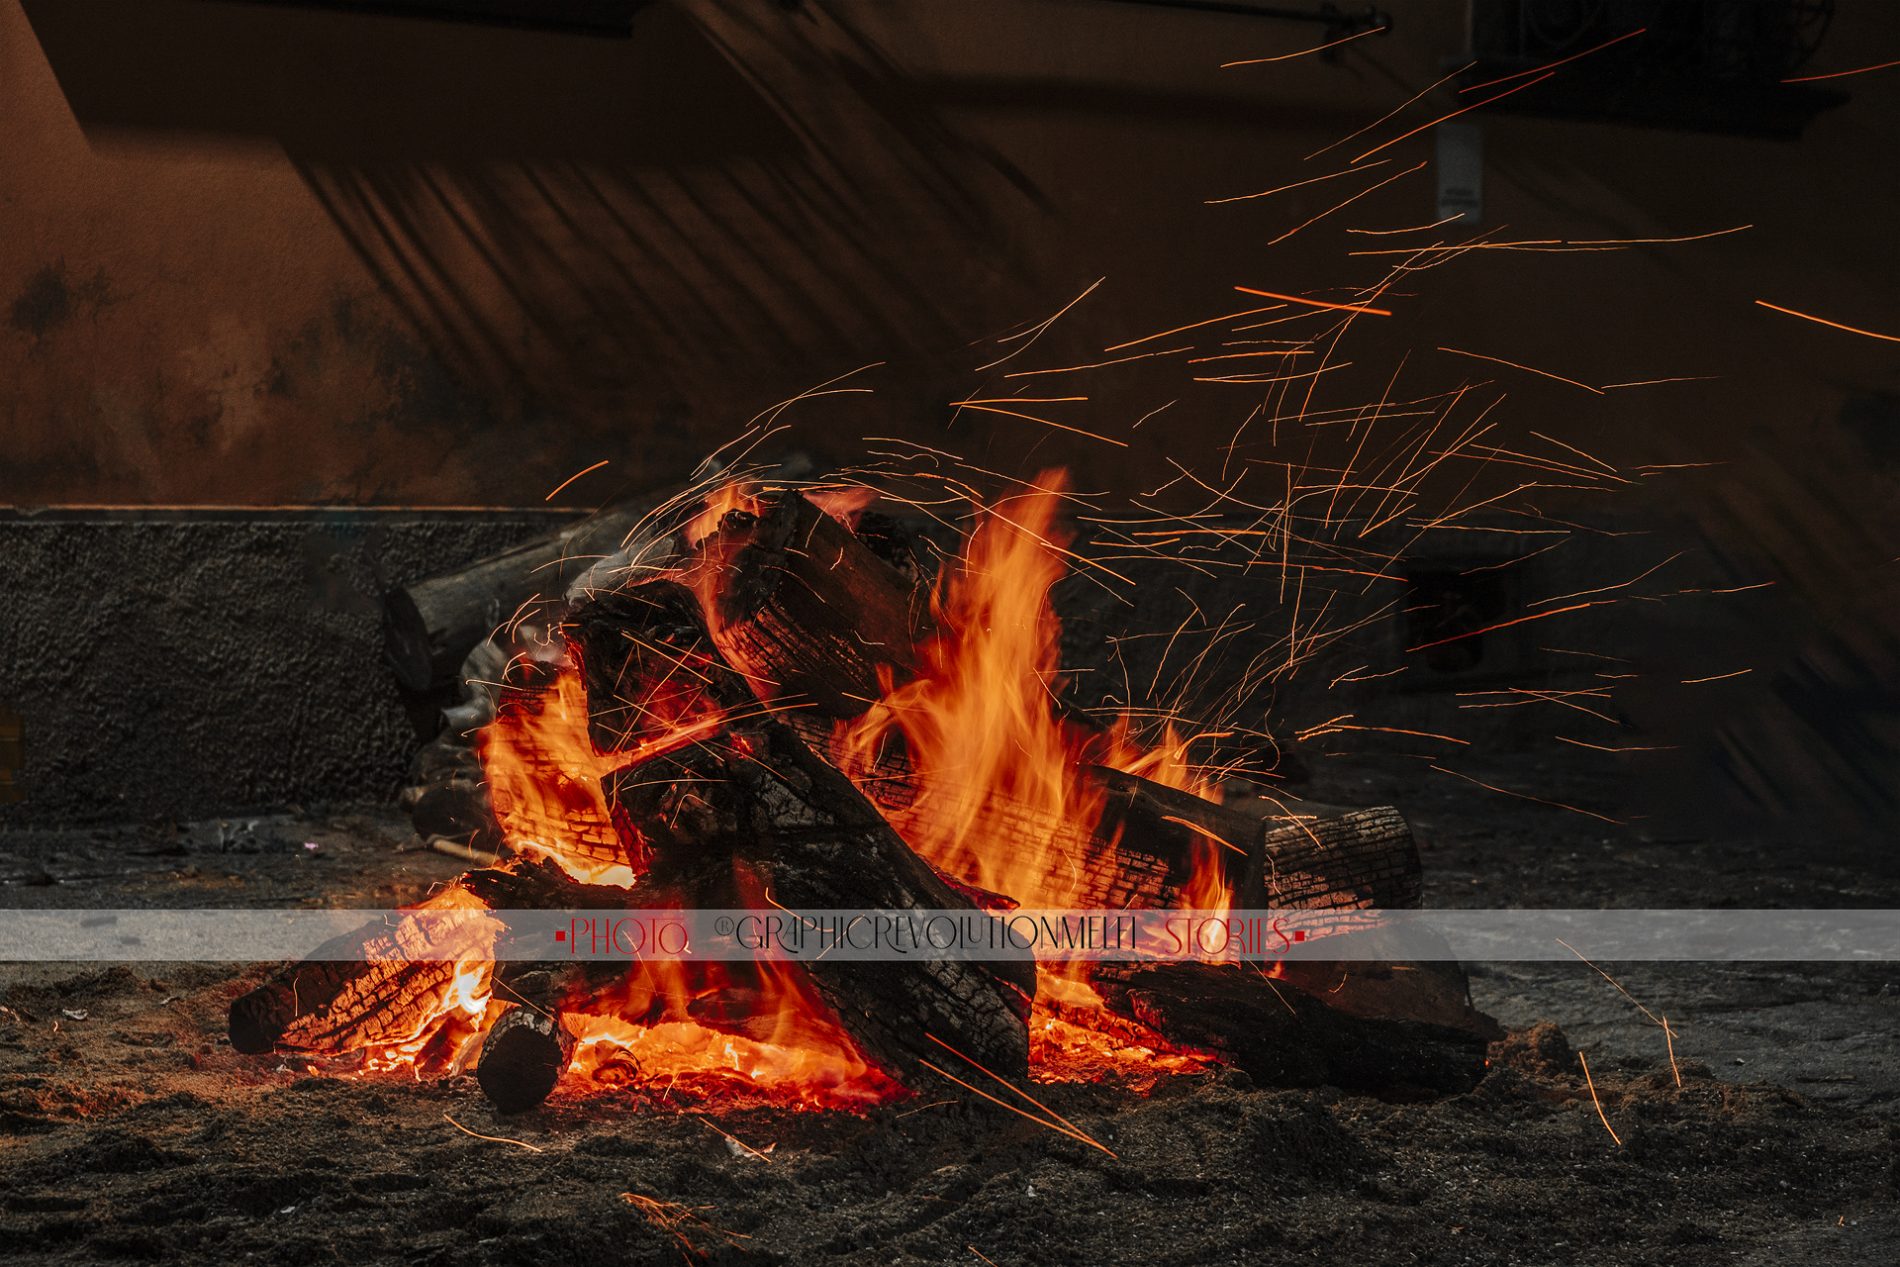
[
  {"x": 791, "y": 1050},
  {"x": 1074, "y": 1038}
]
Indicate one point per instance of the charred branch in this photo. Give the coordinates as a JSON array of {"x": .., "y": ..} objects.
[
  {"x": 429, "y": 626},
  {"x": 1283, "y": 1036},
  {"x": 759, "y": 807}
]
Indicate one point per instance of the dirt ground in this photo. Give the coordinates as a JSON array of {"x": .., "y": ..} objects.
[{"x": 130, "y": 1131}]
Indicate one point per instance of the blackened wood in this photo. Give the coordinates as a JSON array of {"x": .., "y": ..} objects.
[
  {"x": 904, "y": 541},
  {"x": 524, "y": 1055},
  {"x": 648, "y": 664},
  {"x": 758, "y": 807},
  {"x": 1144, "y": 850},
  {"x": 456, "y": 809},
  {"x": 303, "y": 997},
  {"x": 1282, "y": 1036},
  {"x": 1365, "y": 858},
  {"x": 758, "y": 804},
  {"x": 527, "y": 1050},
  {"x": 361, "y": 989},
  {"x": 1345, "y": 860},
  {"x": 804, "y": 609},
  {"x": 541, "y": 885},
  {"x": 1434, "y": 991},
  {"x": 430, "y": 625},
  {"x": 448, "y": 795}
]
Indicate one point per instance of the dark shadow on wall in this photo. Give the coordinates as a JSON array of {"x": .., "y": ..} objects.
[
  {"x": 375, "y": 87},
  {"x": 604, "y": 17},
  {"x": 584, "y": 226},
  {"x": 677, "y": 228},
  {"x": 220, "y": 663}
]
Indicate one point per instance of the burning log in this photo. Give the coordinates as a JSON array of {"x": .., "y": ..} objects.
[
  {"x": 335, "y": 1005},
  {"x": 1145, "y": 848},
  {"x": 382, "y": 996},
  {"x": 798, "y": 601},
  {"x": 430, "y": 625},
  {"x": 728, "y": 820},
  {"x": 762, "y": 811},
  {"x": 1283, "y": 1036},
  {"x": 370, "y": 987},
  {"x": 700, "y": 738},
  {"x": 648, "y": 666},
  {"x": 756, "y": 798},
  {"x": 1355, "y": 860}
]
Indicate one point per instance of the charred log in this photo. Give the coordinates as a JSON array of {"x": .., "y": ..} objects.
[
  {"x": 542, "y": 886},
  {"x": 448, "y": 796},
  {"x": 362, "y": 989},
  {"x": 805, "y": 609},
  {"x": 649, "y": 667},
  {"x": 1343, "y": 860},
  {"x": 759, "y": 807},
  {"x": 1145, "y": 848},
  {"x": 529, "y": 1048},
  {"x": 365, "y": 988},
  {"x": 430, "y": 625},
  {"x": 1283, "y": 1036}
]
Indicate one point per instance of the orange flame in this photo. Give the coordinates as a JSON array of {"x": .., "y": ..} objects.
[
  {"x": 977, "y": 722},
  {"x": 721, "y": 502},
  {"x": 987, "y": 744},
  {"x": 545, "y": 782},
  {"x": 985, "y": 739},
  {"x": 773, "y": 1040}
]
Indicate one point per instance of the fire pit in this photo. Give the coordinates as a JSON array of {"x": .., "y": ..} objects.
[{"x": 757, "y": 706}]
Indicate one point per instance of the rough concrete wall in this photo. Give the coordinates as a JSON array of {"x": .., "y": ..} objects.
[{"x": 178, "y": 667}]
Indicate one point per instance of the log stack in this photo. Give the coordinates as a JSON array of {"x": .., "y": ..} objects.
[{"x": 774, "y": 628}]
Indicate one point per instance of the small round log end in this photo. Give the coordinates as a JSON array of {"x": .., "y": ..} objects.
[{"x": 522, "y": 1058}]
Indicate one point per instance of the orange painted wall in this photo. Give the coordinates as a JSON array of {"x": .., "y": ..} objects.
[{"x": 254, "y": 255}]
